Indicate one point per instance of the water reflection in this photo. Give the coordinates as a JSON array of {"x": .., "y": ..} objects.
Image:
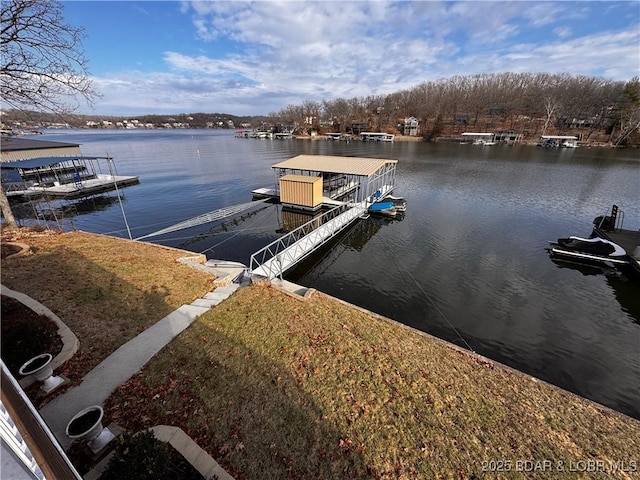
[
  {"x": 626, "y": 292},
  {"x": 353, "y": 239},
  {"x": 625, "y": 287},
  {"x": 587, "y": 269},
  {"x": 473, "y": 240},
  {"x": 48, "y": 209}
]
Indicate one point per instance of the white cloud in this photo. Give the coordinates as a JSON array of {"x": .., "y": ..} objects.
[
  {"x": 562, "y": 32},
  {"x": 287, "y": 52}
]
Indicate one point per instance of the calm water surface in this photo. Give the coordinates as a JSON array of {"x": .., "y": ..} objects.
[{"x": 467, "y": 263}]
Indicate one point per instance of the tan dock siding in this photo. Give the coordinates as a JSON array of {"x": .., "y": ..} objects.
[{"x": 301, "y": 190}]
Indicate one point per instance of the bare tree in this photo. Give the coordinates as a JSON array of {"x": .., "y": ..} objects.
[
  {"x": 43, "y": 65},
  {"x": 338, "y": 110},
  {"x": 628, "y": 116}
]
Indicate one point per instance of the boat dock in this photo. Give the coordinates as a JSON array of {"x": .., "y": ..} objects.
[
  {"x": 307, "y": 182},
  {"x": 62, "y": 177},
  {"x": 70, "y": 191},
  {"x": 627, "y": 239},
  {"x": 376, "y": 137},
  {"x": 610, "y": 228},
  {"x": 279, "y": 256}
]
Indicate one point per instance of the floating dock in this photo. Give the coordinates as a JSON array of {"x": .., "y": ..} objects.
[
  {"x": 69, "y": 191},
  {"x": 627, "y": 239},
  {"x": 308, "y": 182},
  {"x": 610, "y": 228},
  {"x": 67, "y": 177}
]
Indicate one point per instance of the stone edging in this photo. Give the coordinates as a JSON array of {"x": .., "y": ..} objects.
[
  {"x": 24, "y": 249},
  {"x": 181, "y": 442},
  {"x": 70, "y": 342},
  {"x": 190, "y": 450}
]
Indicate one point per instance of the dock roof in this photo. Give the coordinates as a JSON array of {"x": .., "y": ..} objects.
[
  {"x": 559, "y": 137},
  {"x": 14, "y": 148},
  {"x": 334, "y": 164},
  {"x": 45, "y": 161},
  {"x": 10, "y": 144}
]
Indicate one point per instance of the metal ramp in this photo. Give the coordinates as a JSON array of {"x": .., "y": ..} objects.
[
  {"x": 206, "y": 218},
  {"x": 277, "y": 257}
]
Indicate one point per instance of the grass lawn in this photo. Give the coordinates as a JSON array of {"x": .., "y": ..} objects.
[
  {"x": 107, "y": 290},
  {"x": 274, "y": 387}
]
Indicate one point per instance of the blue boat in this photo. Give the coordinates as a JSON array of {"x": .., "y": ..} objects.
[{"x": 380, "y": 206}]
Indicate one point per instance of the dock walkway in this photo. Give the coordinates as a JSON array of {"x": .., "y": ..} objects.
[
  {"x": 282, "y": 259},
  {"x": 629, "y": 240},
  {"x": 279, "y": 256}
]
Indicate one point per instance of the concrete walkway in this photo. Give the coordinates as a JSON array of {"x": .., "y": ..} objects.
[{"x": 125, "y": 362}]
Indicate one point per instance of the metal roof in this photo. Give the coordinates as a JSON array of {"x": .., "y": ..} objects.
[
  {"x": 559, "y": 137},
  {"x": 9, "y": 144},
  {"x": 45, "y": 161},
  {"x": 333, "y": 164}
]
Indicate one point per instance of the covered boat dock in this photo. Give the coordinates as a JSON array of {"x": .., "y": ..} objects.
[
  {"x": 478, "y": 138},
  {"x": 565, "y": 141},
  {"x": 349, "y": 184},
  {"x": 65, "y": 177},
  {"x": 308, "y": 182}
]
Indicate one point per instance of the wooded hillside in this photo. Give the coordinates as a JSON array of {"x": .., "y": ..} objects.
[{"x": 530, "y": 104}]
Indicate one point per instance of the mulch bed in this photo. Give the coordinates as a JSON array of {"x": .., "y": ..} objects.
[
  {"x": 25, "y": 334},
  {"x": 9, "y": 249}
]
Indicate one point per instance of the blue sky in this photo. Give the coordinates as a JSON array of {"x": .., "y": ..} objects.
[{"x": 253, "y": 58}]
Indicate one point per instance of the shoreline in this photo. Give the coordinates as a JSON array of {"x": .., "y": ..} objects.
[
  {"x": 301, "y": 293},
  {"x": 485, "y": 361},
  {"x": 362, "y": 386},
  {"x": 455, "y": 140}
]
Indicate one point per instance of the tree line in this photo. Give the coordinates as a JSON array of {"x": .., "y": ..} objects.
[{"x": 526, "y": 103}]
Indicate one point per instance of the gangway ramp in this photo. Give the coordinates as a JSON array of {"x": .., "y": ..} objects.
[
  {"x": 219, "y": 214},
  {"x": 279, "y": 256}
]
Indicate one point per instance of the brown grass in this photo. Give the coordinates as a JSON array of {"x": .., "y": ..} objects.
[
  {"x": 107, "y": 290},
  {"x": 274, "y": 387},
  {"x": 278, "y": 388}
]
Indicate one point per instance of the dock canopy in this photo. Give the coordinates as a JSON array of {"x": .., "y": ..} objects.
[
  {"x": 14, "y": 148},
  {"x": 364, "y": 167},
  {"x": 45, "y": 162},
  {"x": 347, "y": 179},
  {"x": 559, "y": 137}
]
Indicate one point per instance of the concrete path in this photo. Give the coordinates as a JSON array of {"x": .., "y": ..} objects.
[{"x": 125, "y": 362}]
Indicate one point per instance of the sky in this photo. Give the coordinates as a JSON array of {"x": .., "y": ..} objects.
[{"x": 255, "y": 58}]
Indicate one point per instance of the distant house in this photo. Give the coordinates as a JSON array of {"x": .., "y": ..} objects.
[{"x": 411, "y": 126}]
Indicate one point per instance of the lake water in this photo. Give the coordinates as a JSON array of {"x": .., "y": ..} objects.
[{"x": 467, "y": 263}]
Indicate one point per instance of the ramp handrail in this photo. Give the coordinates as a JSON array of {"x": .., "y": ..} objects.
[{"x": 278, "y": 248}]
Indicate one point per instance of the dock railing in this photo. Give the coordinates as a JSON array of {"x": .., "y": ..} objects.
[
  {"x": 612, "y": 222},
  {"x": 272, "y": 260}
]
